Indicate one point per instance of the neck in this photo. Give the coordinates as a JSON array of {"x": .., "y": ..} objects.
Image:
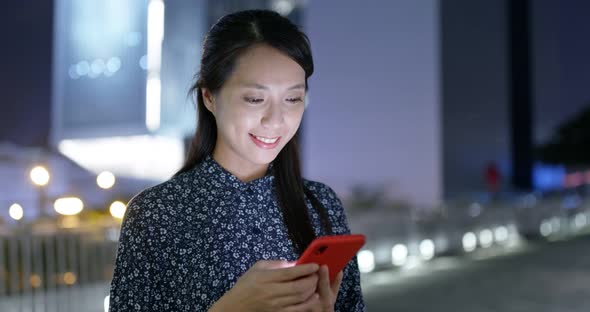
[{"x": 244, "y": 170}]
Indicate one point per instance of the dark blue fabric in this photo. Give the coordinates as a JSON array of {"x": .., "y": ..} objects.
[{"x": 185, "y": 242}]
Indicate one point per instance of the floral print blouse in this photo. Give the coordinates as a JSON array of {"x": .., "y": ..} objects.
[{"x": 185, "y": 242}]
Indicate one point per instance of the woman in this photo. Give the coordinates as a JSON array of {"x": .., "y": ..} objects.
[{"x": 224, "y": 233}]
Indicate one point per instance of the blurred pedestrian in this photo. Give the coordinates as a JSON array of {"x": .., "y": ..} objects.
[{"x": 492, "y": 178}]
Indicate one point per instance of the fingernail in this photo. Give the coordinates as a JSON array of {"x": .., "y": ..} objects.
[{"x": 288, "y": 264}]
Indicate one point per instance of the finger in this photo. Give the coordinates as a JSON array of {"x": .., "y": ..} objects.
[
  {"x": 274, "y": 264},
  {"x": 287, "y": 301},
  {"x": 289, "y": 274},
  {"x": 296, "y": 286},
  {"x": 297, "y": 291},
  {"x": 336, "y": 284},
  {"x": 311, "y": 304},
  {"x": 324, "y": 285}
]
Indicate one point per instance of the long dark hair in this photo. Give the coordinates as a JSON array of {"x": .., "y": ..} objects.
[{"x": 224, "y": 43}]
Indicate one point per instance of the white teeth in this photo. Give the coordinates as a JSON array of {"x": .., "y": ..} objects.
[{"x": 265, "y": 140}]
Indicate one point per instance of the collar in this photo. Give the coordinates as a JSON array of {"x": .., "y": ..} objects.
[{"x": 212, "y": 171}]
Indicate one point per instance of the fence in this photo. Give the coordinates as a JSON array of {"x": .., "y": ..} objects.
[{"x": 55, "y": 269}]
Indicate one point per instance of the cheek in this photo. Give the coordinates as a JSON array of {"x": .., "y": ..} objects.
[
  {"x": 293, "y": 120},
  {"x": 239, "y": 123},
  {"x": 231, "y": 118}
]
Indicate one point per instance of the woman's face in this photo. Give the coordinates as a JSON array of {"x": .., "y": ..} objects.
[{"x": 259, "y": 108}]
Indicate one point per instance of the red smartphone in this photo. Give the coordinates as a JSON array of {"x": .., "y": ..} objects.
[{"x": 334, "y": 251}]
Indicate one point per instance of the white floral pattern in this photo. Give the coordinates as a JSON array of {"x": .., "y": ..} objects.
[{"x": 185, "y": 242}]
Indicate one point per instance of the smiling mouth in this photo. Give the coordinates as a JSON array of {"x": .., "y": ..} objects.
[
  {"x": 265, "y": 139},
  {"x": 266, "y": 143}
]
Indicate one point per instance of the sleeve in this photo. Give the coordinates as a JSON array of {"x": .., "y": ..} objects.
[
  {"x": 350, "y": 296},
  {"x": 140, "y": 281}
]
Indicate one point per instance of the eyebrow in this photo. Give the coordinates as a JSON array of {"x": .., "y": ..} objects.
[{"x": 263, "y": 87}]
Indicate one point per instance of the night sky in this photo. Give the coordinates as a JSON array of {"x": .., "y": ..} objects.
[{"x": 25, "y": 56}]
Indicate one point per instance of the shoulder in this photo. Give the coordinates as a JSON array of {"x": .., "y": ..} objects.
[
  {"x": 321, "y": 191},
  {"x": 156, "y": 204},
  {"x": 331, "y": 203}
]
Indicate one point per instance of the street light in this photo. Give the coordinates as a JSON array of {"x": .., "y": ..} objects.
[
  {"x": 486, "y": 238},
  {"x": 106, "y": 303},
  {"x": 105, "y": 180},
  {"x": 68, "y": 206},
  {"x": 546, "y": 228},
  {"x": 427, "y": 249},
  {"x": 40, "y": 177},
  {"x": 117, "y": 209},
  {"x": 399, "y": 254},
  {"x": 16, "y": 211},
  {"x": 469, "y": 241},
  {"x": 366, "y": 261},
  {"x": 501, "y": 234}
]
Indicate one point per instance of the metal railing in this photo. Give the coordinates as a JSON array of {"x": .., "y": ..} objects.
[
  {"x": 55, "y": 269},
  {"x": 459, "y": 228}
]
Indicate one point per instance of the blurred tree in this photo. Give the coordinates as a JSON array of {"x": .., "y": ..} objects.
[
  {"x": 364, "y": 197},
  {"x": 570, "y": 145}
]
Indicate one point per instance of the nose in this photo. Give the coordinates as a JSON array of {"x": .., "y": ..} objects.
[{"x": 273, "y": 116}]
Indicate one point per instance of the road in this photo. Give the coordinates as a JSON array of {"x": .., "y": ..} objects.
[{"x": 540, "y": 277}]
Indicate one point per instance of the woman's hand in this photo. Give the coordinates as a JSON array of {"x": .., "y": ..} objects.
[
  {"x": 328, "y": 293},
  {"x": 277, "y": 286}
]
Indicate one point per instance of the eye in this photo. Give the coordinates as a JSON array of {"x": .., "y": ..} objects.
[
  {"x": 253, "y": 100},
  {"x": 295, "y": 100}
]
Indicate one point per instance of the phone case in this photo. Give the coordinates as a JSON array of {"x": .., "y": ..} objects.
[{"x": 334, "y": 251}]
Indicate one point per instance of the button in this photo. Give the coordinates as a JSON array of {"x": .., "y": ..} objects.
[{"x": 256, "y": 230}]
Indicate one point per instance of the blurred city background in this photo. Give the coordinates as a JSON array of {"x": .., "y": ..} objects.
[{"x": 456, "y": 132}]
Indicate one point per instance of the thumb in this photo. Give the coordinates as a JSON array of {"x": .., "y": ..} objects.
[{"x": 275, "y": 264}]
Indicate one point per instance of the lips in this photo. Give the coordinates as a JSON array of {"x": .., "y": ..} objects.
[
  {"x": 268, "y": 140},
  {"x": 265, "y": 142}
]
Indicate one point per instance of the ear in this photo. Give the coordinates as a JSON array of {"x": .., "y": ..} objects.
[{"x": 208, "y": 100}]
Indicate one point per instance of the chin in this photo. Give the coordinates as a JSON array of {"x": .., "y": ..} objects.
[{"x": 264, "y": 158}]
